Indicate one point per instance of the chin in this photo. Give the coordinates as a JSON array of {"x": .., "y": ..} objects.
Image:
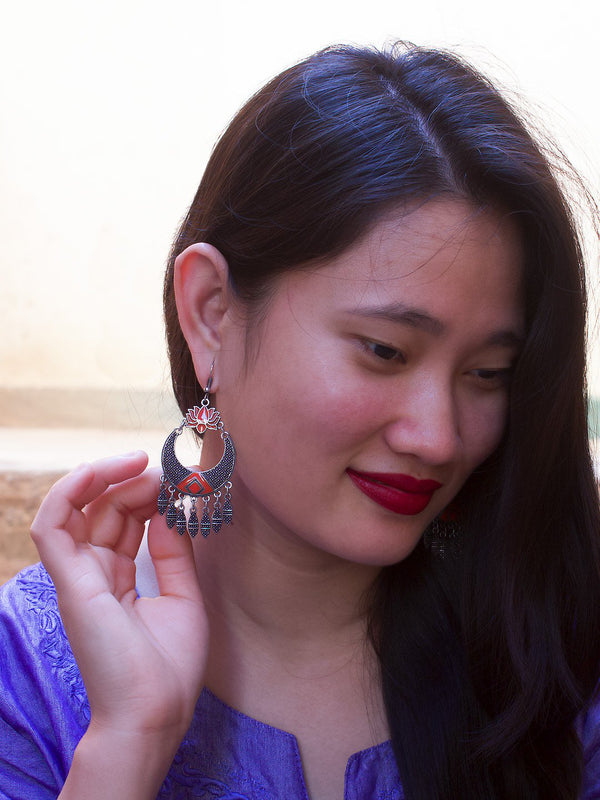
[{"x": 378, "y": 554}]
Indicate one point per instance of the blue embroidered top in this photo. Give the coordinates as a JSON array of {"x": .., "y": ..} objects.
[{"x": 225, "y": 755}]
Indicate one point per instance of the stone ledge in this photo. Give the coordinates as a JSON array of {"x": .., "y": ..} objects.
[
  {"x": 20, "y": 496},
  {"x": 32, "y": 459}
]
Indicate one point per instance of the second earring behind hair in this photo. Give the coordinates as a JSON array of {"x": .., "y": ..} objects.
[
  {"x": 179, "y": 482},
  {"x": 443, "y": 537}
]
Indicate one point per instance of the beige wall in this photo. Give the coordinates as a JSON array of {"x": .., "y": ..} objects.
[{"x": 108, "y": 114}]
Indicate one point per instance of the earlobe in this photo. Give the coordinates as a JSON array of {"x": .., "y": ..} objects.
[{"x": 201, "y": 281}]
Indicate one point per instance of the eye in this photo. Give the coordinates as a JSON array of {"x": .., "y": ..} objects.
[
  {"x": 384, "y": 352},
  {"x": 492, "y": 378}
]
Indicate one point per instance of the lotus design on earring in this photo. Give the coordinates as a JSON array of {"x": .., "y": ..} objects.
[{"x": 202, "y": 418}]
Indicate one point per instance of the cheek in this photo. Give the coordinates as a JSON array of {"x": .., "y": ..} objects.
[
  {"x": 485, "y": 428},
  {"x": 313, "y": 414},
  {"x": 317, "y": 393},
  {"x": 328, "y": 414}
]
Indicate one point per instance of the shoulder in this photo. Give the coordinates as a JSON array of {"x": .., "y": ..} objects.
[
  {"x": 43, "y": 704},
  {"x": 36, "y": 649}
]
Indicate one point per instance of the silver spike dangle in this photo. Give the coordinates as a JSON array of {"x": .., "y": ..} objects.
[
  {"x": 163, "y": 497},
  {"x": 193, "y": 525},
  {"x": 205, "y": 521},
  {"x": 171, "y": 510},
  {"x": 179, "y": 482},
  {"x": 227, "y": 507},
  {"x": 181, "y": 521},
  {"x": 217, "y": 516}
]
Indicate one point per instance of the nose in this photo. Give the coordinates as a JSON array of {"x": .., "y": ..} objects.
[{"x": 425, "y": 423}]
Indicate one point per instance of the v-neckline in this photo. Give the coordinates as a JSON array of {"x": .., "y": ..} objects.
[{"x": 236, "y": 754}]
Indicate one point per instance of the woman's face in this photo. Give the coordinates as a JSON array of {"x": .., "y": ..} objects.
[{"x": 380, "y": 382}]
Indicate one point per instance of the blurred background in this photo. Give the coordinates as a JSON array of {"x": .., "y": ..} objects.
[{"x": 108, "y": 113}]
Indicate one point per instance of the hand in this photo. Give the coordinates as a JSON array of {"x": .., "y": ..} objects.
[{"x": 142, "y": 659}]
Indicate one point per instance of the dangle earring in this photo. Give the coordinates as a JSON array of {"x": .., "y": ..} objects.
[
  {"x": 178, "y": 482},
  {"x": 443, "y": 536}
]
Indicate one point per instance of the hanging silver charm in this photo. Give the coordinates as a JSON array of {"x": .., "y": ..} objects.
[
  {"x": 227, "y": 507},
  {"x": 193, "y": 525},
  {"x": 217, "y": 516},
  {"x": 205, "y": 521},
  {"x": 178, "y": 481},
  {"x": 171, "y": 513},
  {"x": 181, "y": 521},
  {"x": 163, "y": 498}
]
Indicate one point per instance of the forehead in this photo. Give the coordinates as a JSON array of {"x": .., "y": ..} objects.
[
  {"x": 437, "y": 234},
  {"x": 443, "y": 251}
]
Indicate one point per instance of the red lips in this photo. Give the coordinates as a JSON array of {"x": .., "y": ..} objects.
[{"x": 401, "y": 494}]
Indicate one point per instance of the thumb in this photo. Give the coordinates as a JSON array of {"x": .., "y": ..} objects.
[{"x": 173, "y": 559}]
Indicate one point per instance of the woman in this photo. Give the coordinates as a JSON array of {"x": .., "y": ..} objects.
[{"x": 379, "y": 287}]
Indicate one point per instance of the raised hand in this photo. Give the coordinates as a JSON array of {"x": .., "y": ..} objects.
[{"x": 142, "y": 659}]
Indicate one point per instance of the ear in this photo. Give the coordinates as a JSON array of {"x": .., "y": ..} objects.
[{"x": 202, "y": 295}]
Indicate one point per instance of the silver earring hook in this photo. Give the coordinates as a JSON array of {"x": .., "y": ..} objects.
[{"x": 210, "y": 379}]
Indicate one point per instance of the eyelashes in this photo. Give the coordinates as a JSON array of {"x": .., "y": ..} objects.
[
  {"x": 489, "y": 378},
  {"x": 493, "y": 378},
  {"x": 384, "y": 352}
]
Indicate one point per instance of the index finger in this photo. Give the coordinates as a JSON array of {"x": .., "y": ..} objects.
[{"x": 61, "y": 509}]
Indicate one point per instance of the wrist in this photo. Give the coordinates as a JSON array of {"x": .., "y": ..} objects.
[{"x": 119, "y": 764}]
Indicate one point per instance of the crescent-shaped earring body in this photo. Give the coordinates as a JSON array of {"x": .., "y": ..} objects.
[{"x": 198, "y": 483}]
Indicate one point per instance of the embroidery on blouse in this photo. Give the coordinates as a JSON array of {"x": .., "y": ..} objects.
[
  {"x": 185, "y": 780},
  {"x": 202, "y": 788},
  {"x": 39, "y": 591}
]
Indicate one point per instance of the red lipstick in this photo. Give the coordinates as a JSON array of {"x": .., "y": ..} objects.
[{"x": 401, "y": 494}]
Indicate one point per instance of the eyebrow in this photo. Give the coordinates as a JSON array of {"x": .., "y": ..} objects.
[{"x": 401, "y": 314}]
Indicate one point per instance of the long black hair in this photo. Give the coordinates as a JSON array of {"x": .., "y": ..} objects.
[{"x": 486, "y": 659}]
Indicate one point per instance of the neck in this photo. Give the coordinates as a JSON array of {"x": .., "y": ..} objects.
[
  {"x": 283, "y": 587},
  {"x": 277, "y": 605}
]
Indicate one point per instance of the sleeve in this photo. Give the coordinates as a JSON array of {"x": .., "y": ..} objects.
[
  {"x": 590, "y": 738},
  {"x": 43, "y": 705}
]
